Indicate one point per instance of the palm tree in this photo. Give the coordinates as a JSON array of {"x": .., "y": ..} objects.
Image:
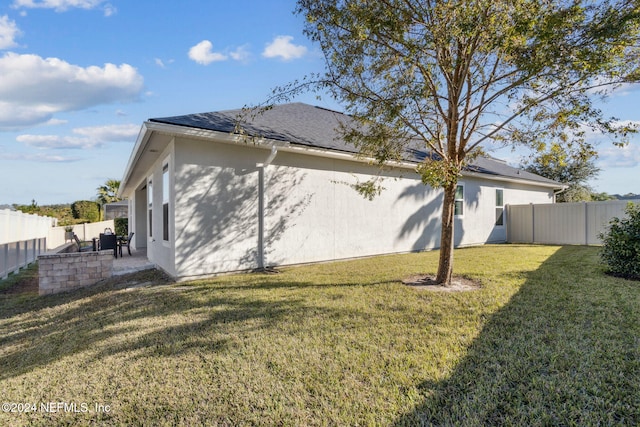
[{"x": 108, "y": 192}]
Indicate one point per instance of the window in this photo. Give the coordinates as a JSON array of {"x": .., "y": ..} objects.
[
  {"x": 150, "y": 206},
  {"x": 165, "y": 202},
  {"x": 499, "y": 207},
  {"x": 458, "y": 209}
]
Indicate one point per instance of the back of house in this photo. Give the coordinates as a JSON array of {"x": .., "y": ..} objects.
[{"x": 206, "y": 199}]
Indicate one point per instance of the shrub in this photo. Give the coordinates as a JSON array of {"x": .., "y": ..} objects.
[
  {"x": 122, "y": 226},
  {"x": 621, "y": 250},
  {"x": 86, "y": 210}
]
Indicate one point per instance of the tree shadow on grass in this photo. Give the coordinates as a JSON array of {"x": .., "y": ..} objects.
[
  {"x": 564, "y": 351},
  {"x": 22, "y": 301},
  {"x": 134, "y": 322}
]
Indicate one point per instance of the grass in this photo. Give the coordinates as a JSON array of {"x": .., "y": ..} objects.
[
  {"x": 27, "y": 279},
  {"x": 548, "y": 340}
]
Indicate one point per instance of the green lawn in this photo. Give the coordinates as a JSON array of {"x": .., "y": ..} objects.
[{"x": 548, "y": 340}]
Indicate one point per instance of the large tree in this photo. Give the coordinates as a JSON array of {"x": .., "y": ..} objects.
[
  {"x": 455, "y": 75},
  {"x": 108, "y": 192},
  {"x": 565, "y": 164}
]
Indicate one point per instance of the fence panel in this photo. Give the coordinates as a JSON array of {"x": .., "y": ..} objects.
[
  {"x": 562, "y": 223},
  {"x": 598, "y": 217},
  {"x": 17, "y": 226},
  {"x": 519, "y": 223},
  {"x": 25, "y": 236},
  {"x": 17, "y": 255},
  {"x": 22, "y": 238},
  {"x": 85, "y": 232}
]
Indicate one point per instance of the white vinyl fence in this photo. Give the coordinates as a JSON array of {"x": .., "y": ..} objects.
[
  {"x": 24, "y": 236},
  {"x": 85, "y": 232},
  {"x": 562, "y": 223}
]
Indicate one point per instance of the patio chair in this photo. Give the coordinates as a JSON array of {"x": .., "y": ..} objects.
[
  {"x": 82, "y": 246},
  {"x": 126, "y": 243},
  {"x": 109, "y": 241}
]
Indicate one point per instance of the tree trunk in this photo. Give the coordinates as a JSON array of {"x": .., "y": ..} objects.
[{"x": 445, "y": 263}]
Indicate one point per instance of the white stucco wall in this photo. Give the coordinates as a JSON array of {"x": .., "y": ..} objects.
[
  {"x": 310, "y": 212},
  {"x": 477, "y": 225},
  {"x": 216, "y": 207},
  {"x": 159, "y": 251},
  {"x": 314, "y": 215}
]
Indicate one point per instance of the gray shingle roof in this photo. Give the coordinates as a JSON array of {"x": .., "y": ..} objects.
[{"x": 307, "y": 125}]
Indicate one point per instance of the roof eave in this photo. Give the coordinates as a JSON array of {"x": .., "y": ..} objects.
[
  {"x": 138, "y": 148},
  {"x": 149, "y": 127},
  {"x": 502, "y": 178}
]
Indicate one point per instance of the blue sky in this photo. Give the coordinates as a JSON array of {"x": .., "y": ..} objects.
[{"x": 79, "y": 77}]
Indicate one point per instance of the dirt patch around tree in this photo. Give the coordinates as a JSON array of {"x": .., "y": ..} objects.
[{"x": 428, "y": 283}]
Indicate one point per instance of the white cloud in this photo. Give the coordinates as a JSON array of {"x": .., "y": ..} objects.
[
  {"x": 14, "y": 116},
  {"x": 38, "y": 157},
  {"x": 33, "y": 88},
  {"x": 610, "y": 89},
  {"x": 281, "y": 47},
  {"x": 203, "y": 53},
  {"x": 631, "y": 123},
  {"x": 56, "y": 142},
  {"x": 110, "y": 133},
  {"x": 162, "y": 64},
  {"x": 595, "y": 136},
  {"x": 620, "y": 157},
  {"x": 109, "y": 10},
  {"x": 241, "y": 53},
  {"x": 58, "y": 5},
  {"x": 8, "y": 32},
  {"x": 84, "y": 138},
  {"x": 55, "y": 122},
  {"x": 610, "y": 156}
]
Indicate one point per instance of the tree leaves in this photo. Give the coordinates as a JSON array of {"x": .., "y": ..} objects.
[
  {"x": 462, "y": 73},
  {"x": 108, "y": 192},
  {"x": 568, "y": 164}
]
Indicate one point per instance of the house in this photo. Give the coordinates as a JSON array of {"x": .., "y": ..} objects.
[
  {"x": 115, "y": 210},
  {"x": 205, "y": 200}
]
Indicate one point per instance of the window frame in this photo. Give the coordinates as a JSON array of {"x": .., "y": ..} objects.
[
  {"x": 165, "y": 201},
  {"x": 458, "y": 202},
  {"x": 499, "y": 218},
  {"x": 150, "y": 207}
]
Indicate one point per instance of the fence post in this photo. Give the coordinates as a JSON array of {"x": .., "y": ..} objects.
[
  {"x": 506, "y": 223},
  {"x": 17, "y": 268},
  {"x": 586, "y": 223},
  {"x": 26, "y": 254},
  {"x": 533, "y": 223},
  {"x": 5, "y": 273}
]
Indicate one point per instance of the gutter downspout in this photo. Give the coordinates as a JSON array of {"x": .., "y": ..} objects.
[
  {"x": 562, "y": 190},
  {"x": 261, "y": 205}
]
